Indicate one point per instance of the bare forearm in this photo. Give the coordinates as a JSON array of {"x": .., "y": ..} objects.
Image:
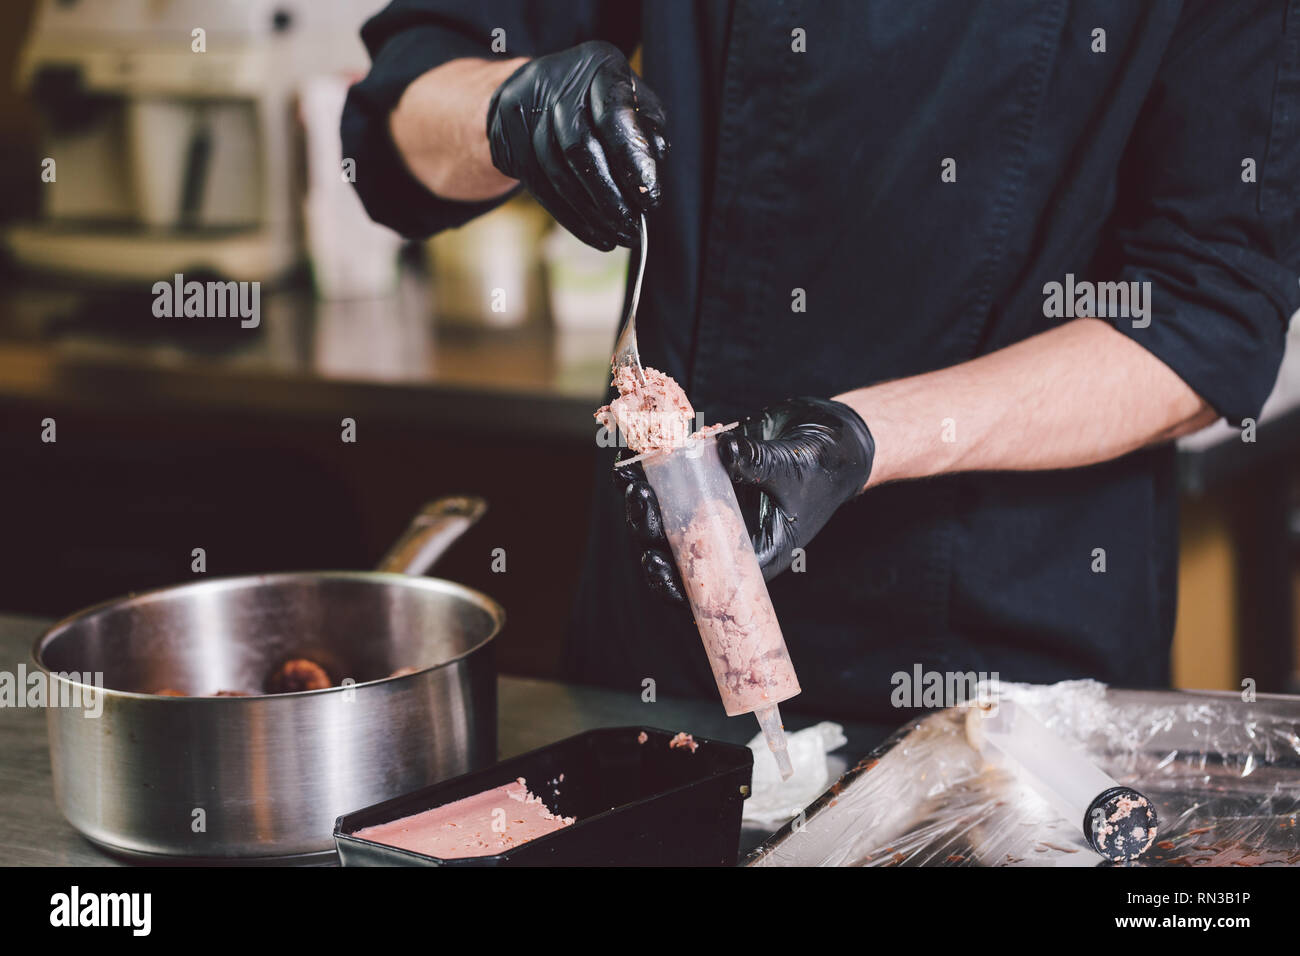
[
  {"x": 1075, "y": 395},
  {"x": 439, "y": 127}
]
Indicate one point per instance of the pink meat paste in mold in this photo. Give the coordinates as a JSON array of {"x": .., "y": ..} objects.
[{"x": 472, "y": 826}]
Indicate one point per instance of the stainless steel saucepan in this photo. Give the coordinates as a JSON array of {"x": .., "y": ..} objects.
[{"x": 239, "y": 779}]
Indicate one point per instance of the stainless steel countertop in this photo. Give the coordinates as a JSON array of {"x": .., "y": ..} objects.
[{"x": 532, "y": 713}]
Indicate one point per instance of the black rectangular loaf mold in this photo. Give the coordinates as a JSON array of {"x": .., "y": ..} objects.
[{"x": 636, "y": 804}]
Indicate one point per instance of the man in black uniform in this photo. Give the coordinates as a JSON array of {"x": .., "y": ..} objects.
[{"x": 1008, "y": 248}]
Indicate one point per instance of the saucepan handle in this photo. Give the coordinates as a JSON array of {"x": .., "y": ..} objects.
[{"x": 431, "y": 532}]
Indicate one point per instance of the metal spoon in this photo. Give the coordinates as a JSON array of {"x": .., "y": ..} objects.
[{"x": 625, "y": 350}]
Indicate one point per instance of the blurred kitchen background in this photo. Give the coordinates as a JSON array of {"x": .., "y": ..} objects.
[
  {"x": 183, "y": 433},
  {"x": 180, "y": 433}
]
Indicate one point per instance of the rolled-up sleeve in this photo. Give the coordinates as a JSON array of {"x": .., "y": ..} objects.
[
  {"x": 410, "y": 37},
  {"x": 1210, "y": 201}
]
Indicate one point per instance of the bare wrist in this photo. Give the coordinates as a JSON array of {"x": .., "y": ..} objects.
[
  {"x": 440, "y": 128},
  {"x": 908, "y": 443},
  {"x": 860, "y": 400}
]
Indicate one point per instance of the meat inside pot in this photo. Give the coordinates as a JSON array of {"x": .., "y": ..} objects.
[
  {"x": 297, "y": 674},
  {"x": 294, "y": 675}
]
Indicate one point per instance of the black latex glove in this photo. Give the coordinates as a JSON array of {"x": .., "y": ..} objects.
[
  {"x": 807, "y": 456},
  {"x": 585, "y": 135}
]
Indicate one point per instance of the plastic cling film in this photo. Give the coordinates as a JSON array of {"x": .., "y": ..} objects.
[
  {"x": 1222, "y": 773},
  {"x": 1118, "y": 822}
]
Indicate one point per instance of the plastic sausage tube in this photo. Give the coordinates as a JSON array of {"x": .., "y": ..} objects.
[
  {"x": 1118, "y": 822},
  {"x": 725, "y": 586}
]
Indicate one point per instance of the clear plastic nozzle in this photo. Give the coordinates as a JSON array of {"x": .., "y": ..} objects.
[{"x": 769, "y": 719}]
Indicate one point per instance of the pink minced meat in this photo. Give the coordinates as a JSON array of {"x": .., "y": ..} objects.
[
  {"x": 1123, "y": 808},
  {"x": 684, "y": 739},
  {"x": 484, "y": 824},
  {"x": 733, "y": 611},
  {"x": 652, "y": 416}
]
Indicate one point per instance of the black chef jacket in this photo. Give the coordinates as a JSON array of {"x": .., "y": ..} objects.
[{"x": 822, "y": 171}]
